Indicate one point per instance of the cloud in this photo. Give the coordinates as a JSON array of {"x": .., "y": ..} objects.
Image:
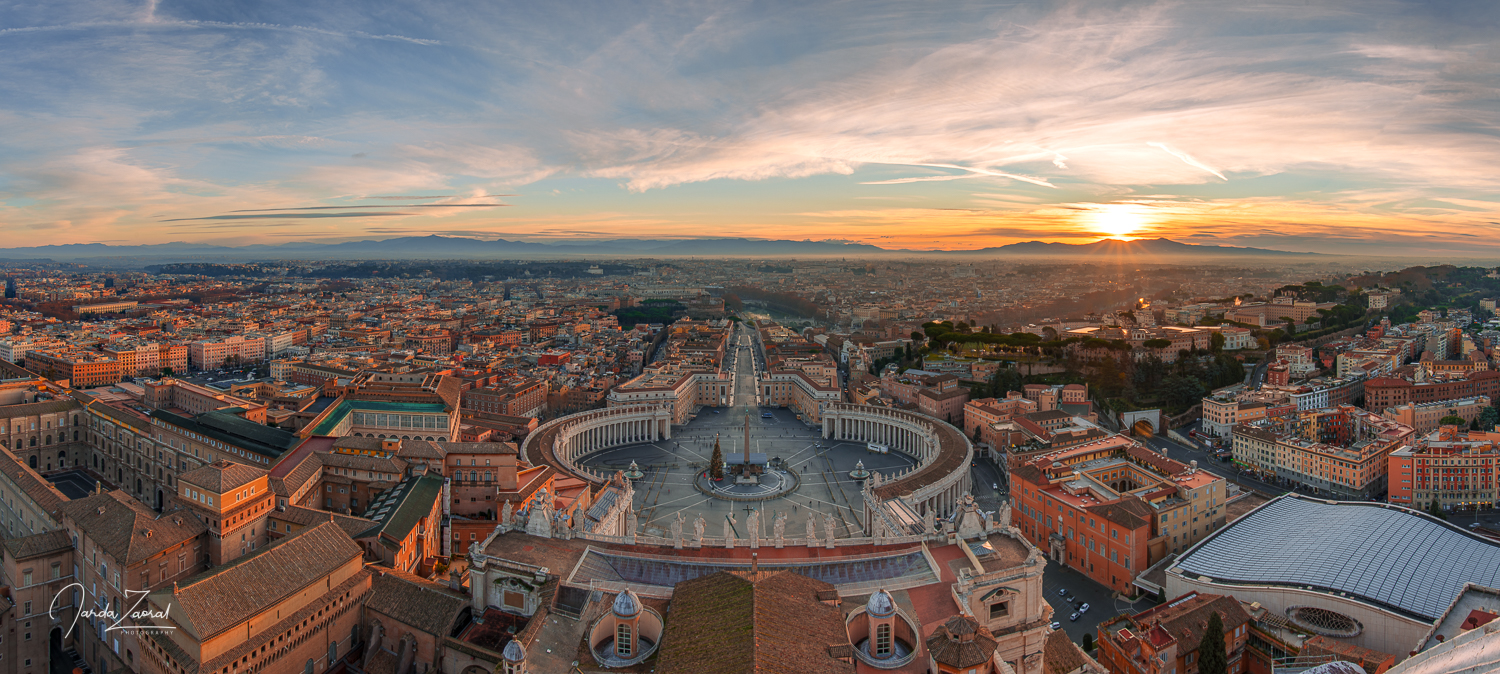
[
  {"x": 289, "y": 216},
  {"x": 330, "y": 208},
  {"x": 1369, "y": 116},
  {"x": 1187, "y": 159}
]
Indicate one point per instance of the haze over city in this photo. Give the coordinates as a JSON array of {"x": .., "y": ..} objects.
[{"x": 1335, "y": 127}]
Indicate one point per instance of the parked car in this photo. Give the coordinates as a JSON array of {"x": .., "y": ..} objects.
[
  {"x": 1062, "y": 592},
  {"x": 1084, "y": 608},
  {"x": 1056, "y": 625},
  {"x": 1073, "y": 617}
]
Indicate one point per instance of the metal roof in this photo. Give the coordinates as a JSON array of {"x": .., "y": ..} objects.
[{"x": 1392, "y": 557}]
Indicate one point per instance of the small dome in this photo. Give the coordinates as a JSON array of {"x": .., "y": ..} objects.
[
  {"x": 514, "y": 652},
  {"x": 627, "y": 604},
  {"x": 881, "y": 604}
]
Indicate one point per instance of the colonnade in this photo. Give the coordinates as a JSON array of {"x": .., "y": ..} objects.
[
  {"x": 569, "y": 438},
  {"x": 914, "y": 434}
]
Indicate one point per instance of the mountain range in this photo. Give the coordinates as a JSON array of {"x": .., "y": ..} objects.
[{"x": 445, "y": 247}]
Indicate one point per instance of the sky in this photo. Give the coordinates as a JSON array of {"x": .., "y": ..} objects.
[{"x": 1365, "y": 126}]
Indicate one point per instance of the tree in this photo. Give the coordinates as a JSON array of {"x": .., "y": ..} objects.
[
  {"x": 1451, "y": 420},
  {"x": 1436, "y": 510},
  {"x": 1291, "y": 324},
  {"x": 1216, "y": 342},
  {"x": 1213, "y": 654},
  {"x": 716, "y": 463},
  {"x": 1488, "y": 418},
  {"x": 1087, "y": 642}
]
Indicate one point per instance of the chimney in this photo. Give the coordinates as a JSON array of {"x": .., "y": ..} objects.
[{"x": 754, "y": 563}]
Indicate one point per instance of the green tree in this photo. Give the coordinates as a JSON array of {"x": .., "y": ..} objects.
[
  {"x": 1213, "y": 654},
  {"x": 1452, "y": 420},
  {"x": 1181, "y": 391},
  {"x": 716, "y": 462},
  {"x": 1436, "y": 510},
  {"x": 1216, "y": 342},
  {"x": 1488, "y": 418},
  {"x": 1087, "y": 642}
]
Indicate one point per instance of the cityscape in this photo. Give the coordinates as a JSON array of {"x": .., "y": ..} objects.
[{"x": 1055, "y": 338}]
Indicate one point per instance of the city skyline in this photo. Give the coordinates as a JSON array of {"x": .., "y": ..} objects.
[{"x": 1362, "y": 128}]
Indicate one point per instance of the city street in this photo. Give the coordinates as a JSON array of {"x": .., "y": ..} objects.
[{"x": 1102, "y": 604}]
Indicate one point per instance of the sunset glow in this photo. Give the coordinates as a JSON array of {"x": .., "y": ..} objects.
[{"x": 1334, "y": 127}]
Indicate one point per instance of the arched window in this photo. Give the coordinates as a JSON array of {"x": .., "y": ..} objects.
[
  {"x": 31, "y": 460},
  {"x": 62, "y": 458},
  {"x": 622, "y": 640},
  {"x": 883, "y": 640},
  {"x": 75, "y": 436},
  {"x": 473, "y": 476},
  {"x": 33, "y": 444},
  {"x": 49, "y": 440},
  {"x": 333, "y": 653},
  {"x": 309, "y": 668},
  {"x": 487, "y": 476}
]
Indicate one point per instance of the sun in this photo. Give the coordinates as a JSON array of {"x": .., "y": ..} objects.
[{"x": 1118, "y": 221}]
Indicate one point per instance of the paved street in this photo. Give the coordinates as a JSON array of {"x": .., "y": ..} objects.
[{"x": 1102, "y": 605}]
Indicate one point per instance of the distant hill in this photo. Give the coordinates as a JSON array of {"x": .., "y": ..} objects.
[
  {"x": 1117, "y": 247},
  {"x": 448, "y": 247}
]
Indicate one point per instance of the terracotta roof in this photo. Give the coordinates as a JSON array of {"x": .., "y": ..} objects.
[
  {"x": 229, "y": 595},
  {"x": 948, "y": 645},
  {"x": 38, "y": 489},
  {"x": 727, "y": 624},
  {"x": 222, "y": 476},
  {"x": 37, "y": 545},
  {"x": 307, "y": 517},
  {"x": 430, "y": 607},
  {"x": 1129, "y": 512},
  {"x": 127, "y": 529},
  {"x": 1186, "y": 620},
  {"x": 44, "y": 407},
  {"x": 1060, "y": 654},
  {"x": 306, "y": 469}
]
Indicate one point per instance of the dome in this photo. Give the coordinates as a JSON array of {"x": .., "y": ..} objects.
[
  {"x": 514, "y": 652},
  {"x": 627, "y": 604},
  {"x": 881, "y": 604}
]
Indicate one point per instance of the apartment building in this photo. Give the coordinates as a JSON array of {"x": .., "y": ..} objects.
[
  {"x": 1340, "y": 451},
  {"x": 1454, "y": 467},
  {"x": 211, "y": 354},
  {"x": 1424, "y": 417}
]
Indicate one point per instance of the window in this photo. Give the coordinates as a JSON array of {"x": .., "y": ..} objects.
[
  {"x": 999, "y": 609},
  {"x": 883, "y": 640},
  {"x": 622, "y": 640}
]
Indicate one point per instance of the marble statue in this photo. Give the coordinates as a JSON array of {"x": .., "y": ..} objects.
[
  {"x": 812, "y": 530},
  {"x": 677, "y": 523},
  {"x": 778, "y": 528},
  {"x": 752, "y": 525},
  {"x": 729, "y": 523},
  {"x": 698, "y": 526},
  {"x": 829, "y": 528},
  {"x": 505, "y": 514},
  {"x": 928, "y": 526},
  {"x": 1004, "y": 519},
  {"x": 630, "y": 523}
]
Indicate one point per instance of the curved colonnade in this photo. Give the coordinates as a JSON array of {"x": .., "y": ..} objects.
[
  {"x": 935, "y": 484},
  {"x": 560, "y": 442},
  {"x": 943, "y": 454}
]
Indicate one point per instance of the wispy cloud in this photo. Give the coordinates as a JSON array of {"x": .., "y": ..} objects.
[{"x": 654, "y": 119}]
